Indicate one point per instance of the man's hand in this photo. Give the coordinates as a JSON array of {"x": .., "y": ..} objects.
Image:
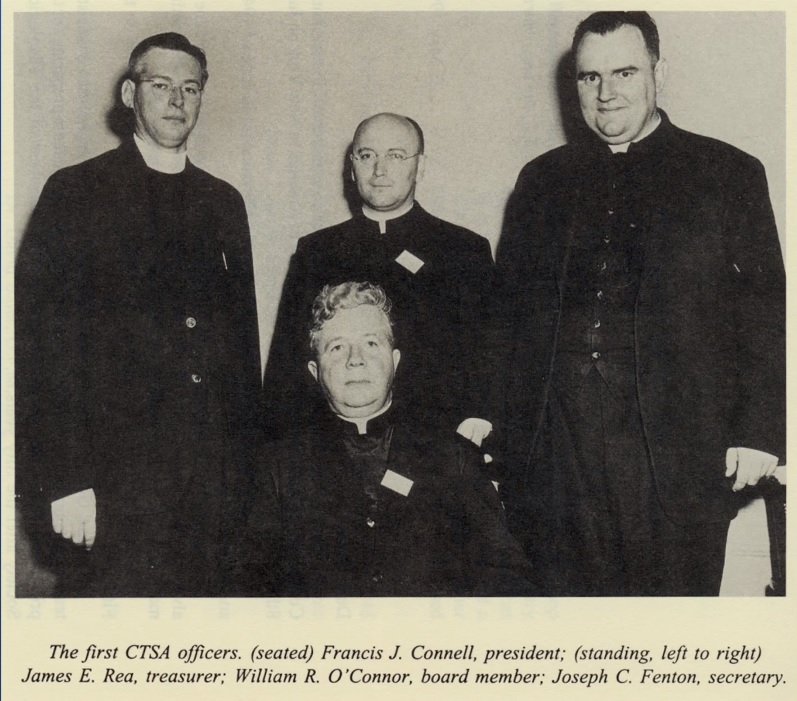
[
  {"x": 475, "y": 430},
  {"x": 75, "y": 517},
  {"x": 749, "y": 465}
]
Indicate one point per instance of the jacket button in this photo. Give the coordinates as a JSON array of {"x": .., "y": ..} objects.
[
  {"x": 190, "y": 322},
  {"x": 371, "y": 523},
  {"x": 596, "y": 323},
  {"x": 596, "y": 355},
  {"x": 377, "y": 578},
  {"x": 196, "y": 378}
]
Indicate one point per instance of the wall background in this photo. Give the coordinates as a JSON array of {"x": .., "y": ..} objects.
[{"x": 287, "y": 89}]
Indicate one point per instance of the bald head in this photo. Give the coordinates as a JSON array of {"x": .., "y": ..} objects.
[
  {"x": 387, "y": 160},
  {"x": 386, "y": 119}
]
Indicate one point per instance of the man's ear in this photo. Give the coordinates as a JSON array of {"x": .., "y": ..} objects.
[
  {"x": 312, "y": 366},
  {"x": 660, "y": 74},
  {"x": 421, "y": 168},
  {"x": 396, "y": 358},
  {"x": 128, "y": 93}
]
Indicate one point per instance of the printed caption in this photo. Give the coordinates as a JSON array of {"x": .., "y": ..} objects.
[{"x": 404, "y": 664}]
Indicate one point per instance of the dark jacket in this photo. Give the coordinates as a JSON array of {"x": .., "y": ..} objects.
[
  {"x": 439, "y": 311},
  {"x": 709, "y": 319},
  {"x": 137, "y": 356},
  {"x": 320, "y": 527}
]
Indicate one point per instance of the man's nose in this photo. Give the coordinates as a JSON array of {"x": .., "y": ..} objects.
[
  {"x": 380, "y": 165},
  {"x": 176, "y": 96},
  {"x": 356, "y": 357},
  {"x": 606, "y": 91}
]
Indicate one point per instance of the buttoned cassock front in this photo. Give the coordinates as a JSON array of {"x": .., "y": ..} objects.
[
  {"x": 402, "y": 511},
  {"x": 138, "y": 365},
  {"x": 708, "y": 317}
]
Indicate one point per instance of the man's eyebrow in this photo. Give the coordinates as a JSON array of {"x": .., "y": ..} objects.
[
  {"x": 157, "y": 76},
  {"x": 331, "y": 341},
  {"x": 583, "y": 74},
  {"x": 391, "y": 149}
]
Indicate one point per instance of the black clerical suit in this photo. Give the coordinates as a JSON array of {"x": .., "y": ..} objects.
[
  {"x": 641, "y": 307},
  {"x": 137, "y": 369},
  {"x": 403, "y": 510},
  {"x": 438, "y": 309}
]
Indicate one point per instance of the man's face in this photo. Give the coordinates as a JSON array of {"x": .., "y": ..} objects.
[
  {"x": 385, "y": 178},
  {"x": 166, "y": 97},
  {"x": 617, "y": 83},
  {"x": 355, "y": 361}
]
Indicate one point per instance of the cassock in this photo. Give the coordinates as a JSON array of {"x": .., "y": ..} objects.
[
  {"x": 137, "y": 371},
  {"x": 401, "y": 510},
  {"x": 438, "y": 277},
  {"x": 641, "y": 313}
]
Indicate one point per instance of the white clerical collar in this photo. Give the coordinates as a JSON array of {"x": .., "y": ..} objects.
[
  {"x": 383, "y": 217},
  {"x": 158, "y": 159},
  {"x": 362, "y": 423},
  {"x": 647, "y": 131}
]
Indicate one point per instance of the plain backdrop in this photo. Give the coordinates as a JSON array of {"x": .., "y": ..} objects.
[{"x": 286, "y": 91}]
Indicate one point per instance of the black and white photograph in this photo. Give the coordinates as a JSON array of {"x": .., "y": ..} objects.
[{"x": 459, "y": 315}]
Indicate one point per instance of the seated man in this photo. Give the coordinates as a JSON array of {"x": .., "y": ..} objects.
[{"x": 371, "y": 503}]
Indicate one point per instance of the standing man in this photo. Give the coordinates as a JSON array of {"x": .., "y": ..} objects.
[
  {"x": 437, "y": 274},
  {"x": 137, "y": 354},
  {"x": 641, "y": 304}
]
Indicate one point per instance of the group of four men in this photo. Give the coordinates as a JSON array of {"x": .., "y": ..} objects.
[{"x": 627, "y": 354}]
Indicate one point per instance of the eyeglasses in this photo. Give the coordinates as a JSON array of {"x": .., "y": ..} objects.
[
  {"x": 392, "y": 157},
  {"x": 160, "y": 87}
]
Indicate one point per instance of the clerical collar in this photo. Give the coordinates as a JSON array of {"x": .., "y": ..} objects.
[
  {"x": 384, "y": 217},
  {"x": 158, "y": 159},
  {"x": 362, "y": 423},
  {"x": 647, "y": 131}
]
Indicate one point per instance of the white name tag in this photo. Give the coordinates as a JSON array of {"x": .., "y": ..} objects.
[
  {"x": 393, "y": 480},
  {"x": 409, "y": 261}
]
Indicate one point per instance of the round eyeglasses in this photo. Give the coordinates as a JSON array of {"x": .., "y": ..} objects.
[{"x": 365, "y": 157}]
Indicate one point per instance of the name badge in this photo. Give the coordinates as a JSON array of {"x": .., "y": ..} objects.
[
  {"x": 409, "y": 261},
  {"x": 393, "y": 480}
]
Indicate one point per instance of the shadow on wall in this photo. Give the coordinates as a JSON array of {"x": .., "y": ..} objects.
[
  {"x": 120, "y": 119},
  {"x": 350, "y": 192},
  {"x": 572, "y": 123}
]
